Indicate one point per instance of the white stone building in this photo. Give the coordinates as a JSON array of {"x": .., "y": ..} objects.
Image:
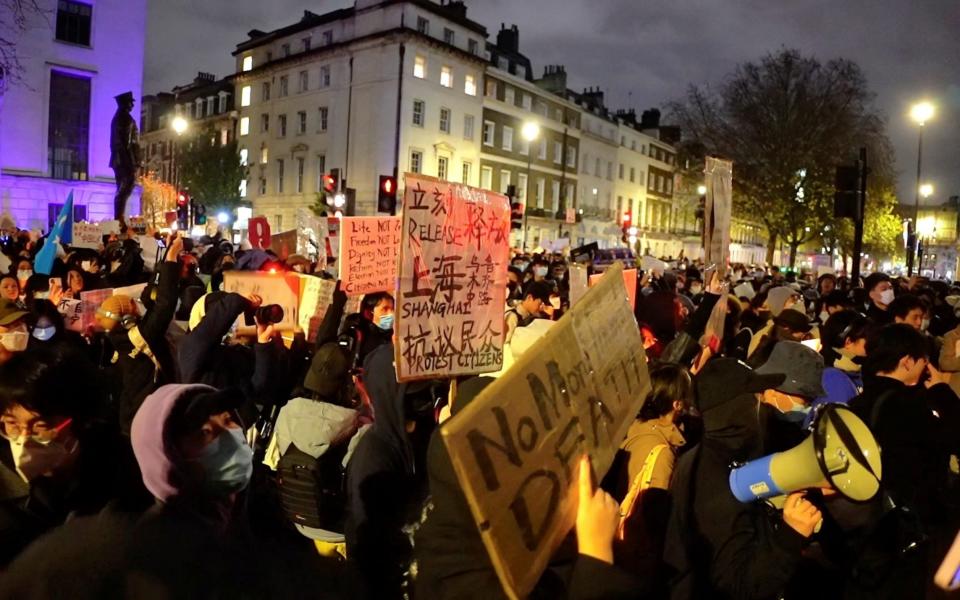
[
  {"x": 55, "y": 126},
  {"x": 378, "y": 88}
]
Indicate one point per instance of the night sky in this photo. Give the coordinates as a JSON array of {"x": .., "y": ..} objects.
[{"x": 643, "y": 54}]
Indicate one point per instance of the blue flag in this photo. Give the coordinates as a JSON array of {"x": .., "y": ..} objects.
[{"x": 43, "y": 263}]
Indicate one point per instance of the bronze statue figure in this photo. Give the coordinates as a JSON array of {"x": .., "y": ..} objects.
[{"x": 124, "y": 153}]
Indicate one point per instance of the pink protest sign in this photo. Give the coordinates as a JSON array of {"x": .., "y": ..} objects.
[{"x": 368, "y": 254}]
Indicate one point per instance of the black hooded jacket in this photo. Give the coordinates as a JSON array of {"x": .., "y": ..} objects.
[
  {"x": 382, "y": 490},
  {"x": 718, "y": 547}
]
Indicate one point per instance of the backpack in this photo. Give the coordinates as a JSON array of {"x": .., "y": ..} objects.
[{"x": 313, "y": 490}]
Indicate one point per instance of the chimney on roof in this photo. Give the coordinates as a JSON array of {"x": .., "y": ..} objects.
[
  {"x": 255, "y": 33},
  {"x": 650, "y": 119},
  {"x": 593, "y": 97},
  {"x": 554, "y": 79},
  {"x": 508, "y": 40},
  {"x": 455, "y": 8},
  {"x": 628, "y": 116},
  {"x": 204, "y": 78}
]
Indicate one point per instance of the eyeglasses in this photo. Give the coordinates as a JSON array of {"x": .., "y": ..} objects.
[{"x": 41, "y": 434}]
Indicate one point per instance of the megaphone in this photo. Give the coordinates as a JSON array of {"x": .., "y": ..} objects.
[{"x": 839, "y": 453}]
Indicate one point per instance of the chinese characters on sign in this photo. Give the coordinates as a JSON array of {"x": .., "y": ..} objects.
[
  {"x": 515, "y": 446},
  {"x": 453, "y": 273},
  {"x": 368, "y": 254}
]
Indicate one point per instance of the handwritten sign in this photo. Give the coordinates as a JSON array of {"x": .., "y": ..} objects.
[
  {"x": 368, "y": 254},
  {"x": 578, "y": 282},
  {"x": 453, "y": 277},
  {"x": 515, "y": 447},
  {"x": 89, "y": 302},
  {"x": 274, "y": 288},
  {"x": 86, "y": 235},
  {"x": 259, "y": 232},
  {"x": 316, "y": 296},
  {"x": 110, "y": 227},
  {"x": 72, "y": 311},
  {"x": 138, "y": 224}
]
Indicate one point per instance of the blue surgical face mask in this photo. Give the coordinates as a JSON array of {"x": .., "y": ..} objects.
[
  {"x": 44, "y": 333},
  {"x": 386, "y": 322},
  {"x": 540, "y": 271},
  {"x": 227, "y": 462},
  {"x": 797, "y": 413}
]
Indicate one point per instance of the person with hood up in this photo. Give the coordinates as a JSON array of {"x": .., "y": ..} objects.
[
  {"x": 383, "y": 488},
  {"x": 843, "y": 347},
  {"x": 717, "y": 546},
  {"x": 143, "y": 355},
  {"x": 778, "y": 300}
]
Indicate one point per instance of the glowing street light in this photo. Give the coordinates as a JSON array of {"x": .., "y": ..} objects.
[
  {"x": 179, "y": 125},
  {"x": 530, "y": 131},
  {"x": 701, "y": 190},
  {"x": 926, "y": 190},
  {"x": 921, "y": 112},
  {"x": 223, "y": 218}
]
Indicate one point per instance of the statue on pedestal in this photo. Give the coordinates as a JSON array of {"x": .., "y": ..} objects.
[{"x": 124, "y": 153}]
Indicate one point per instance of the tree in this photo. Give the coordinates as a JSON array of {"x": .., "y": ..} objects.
[
  {"x": 212, "y": 172},
  {"x": 786, "y": 122},
  {"x": 320, "y": 208},
  {"x": 15, "y": 18},
  {"x": 156, "y": 198}
]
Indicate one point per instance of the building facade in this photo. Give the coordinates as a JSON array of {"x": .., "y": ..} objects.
[
  {"x": 379, "y": 88},
  {"x": 55, "y": 126},
  {"x": 206, "y": 107}
]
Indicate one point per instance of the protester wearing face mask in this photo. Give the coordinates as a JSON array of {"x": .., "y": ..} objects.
[
  {"x": 514, "y": 285},
  {"x": 778, "y": 299},
  {"x": 912, "y": 310},
  {"x": 14, "y": 333},
  {"x": 880, "y": 295},
  {"x": 10, "y": 288},
  {"x": 789, "y": 404},
  {"x": 540, "y": 269},
  {"x": 375, "y": 322},
  {"x": 844, "y": 347},
  {"x": 67, "y": 459},
  {"x": 24, "y": 271}
]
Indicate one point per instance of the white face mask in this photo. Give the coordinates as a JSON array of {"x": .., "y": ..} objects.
[
  {"x": 14, "y": 341},
  {"x": 695, "y": 289},
  {"x": 35, "y": 459},
  {"x": 886, "y": 297},
  {"x": 924, "y": 324},
  {"x": 24, "y": 274},
  {"x": 824, "y": 315},
  {"x": 555, "y": 303}
]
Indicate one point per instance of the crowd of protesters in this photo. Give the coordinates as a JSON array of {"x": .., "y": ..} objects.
[{"x": 182, "y": 446}]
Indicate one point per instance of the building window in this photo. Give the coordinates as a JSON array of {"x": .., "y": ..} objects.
[
  {"x": 448, "y": 36},
  {"x": 465, "y": 173},
  {"x": 416, "y": 161},
  {"x": 633, "y": 174},
  {"x": 473, "y": 47},
  {"x": 442, "y": 163},
  {"x": 324, "y": 116},
  {"x": 504, "y": 180},
  {"x": 306, "y": 43},
  {"x": 321, "y": 170},
  {"x": 73, "y": 22},
  {"x": 279, "y": 175},
  {"x": 542, "y": 151},
  {"x": 419, "y": 67},
  {"x": 423, "y": 26},
  {"x": 265, "y": 91},
  {"x": 264, "y": 123},
  {"x": 557, "y": 152},
  {"x": 243, "y": 156},
  {"x": 489, "y": 128},
  {"x": 490, "y": 90},
  {"x": 244, "y": 125},
  {"x": 301, "y": 122},
  {"x": 419, "y": 109},
  {"x": 540, "y": 192},
  {"x": 222, "y": 102},
  {"x": 245, "y": 96},
  {"x": 300, "y": 162},
  {"x": 304, "y": 81},
  {"x": 285, "y": 50},
  {"x": 508, "y": 95},
  {"x": 264, "y": 155},
  {"x": 596, "y": 168},
  {"x": 620, "y": 171},
  {"x": 522, "y": 187},
  {"x": 325, "y": 76},
  {"x": 555, "y": 195},
  {"x": 278, "y": 219},
  {"x": 507, "y": 141},
  {"x": 633, "y": 145},
  {"x": 211, "y": 106},
  {"x": 262, "y": 186},
  {"x": 527, "y": 102},
  {"x": 469, "y": 86},
  {"x": 524, "y": 147},
  {"x": 468, "y": 127},
  {"x": 284, "y": 84},
  {"x": 445, "y": 120},
  {"x": 610, "y": 171},
  {"x": 247, "y": 63},
  {"x": 327, "y": 37},
  {"x": 572, "y": 158},
  {"x": 243, "y": 188},
  {"x": 282, "y": 125},
  {"x": 486, "y": 177},
  {"x": 446, "y": 77},
  {"x": 68, "y": 130}
]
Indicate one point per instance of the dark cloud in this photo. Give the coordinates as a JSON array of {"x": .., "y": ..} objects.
[{"x": 645, "y": 53}]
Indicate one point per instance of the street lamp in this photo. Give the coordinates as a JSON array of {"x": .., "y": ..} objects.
[
  {"x": 701, "y": 190},
  {"x": 920, "y": 112},
  {"x": 926, "y": 190},
  {"x": 926, "y": 229},
  {"x": 179, "y": 126},
  {"x": 530, "y": 132}
]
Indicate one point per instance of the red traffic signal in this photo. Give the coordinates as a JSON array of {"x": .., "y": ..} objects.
[
  {"x": 387, "y": 195},
  {"x": 329, "y": 183},
  {"x": 182, "y": 199},
  {"x": 626, "y": 219}
]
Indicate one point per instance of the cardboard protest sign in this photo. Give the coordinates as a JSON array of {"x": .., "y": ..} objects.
[
  {"x": 454, "y": 255},
  {"x": 629, "y": 282},
  {"x": 316, "y": 295},
  {"x": 312, "y": 236},
  {"x": 515, "y": 447},
  {"x": 274, "y": 288},
  {"x": 578, "y": 283},
  {"x": 258, "y": 232},
  {"x": 72, "y": 311},
  {"x": 368, "y": 254},
  {"x": 86, "y": 235},
  {"x": 110, "y": 227},
  {"x": 717, "y": 212},
  {"x": 284, "y": 244},
  {"x": 138, "y": 224},
  {"x": 89, "y": 301}
]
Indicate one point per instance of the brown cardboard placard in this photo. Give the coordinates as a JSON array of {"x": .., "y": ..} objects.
[{"x": 515, "y": 447}]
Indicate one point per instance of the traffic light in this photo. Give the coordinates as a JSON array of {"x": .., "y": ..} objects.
[
  {"x": 516, "y": 208},
  {"x": 199, "y": 214},
  {"x": 387, "y": 194},
  {"x": 846, "y": 201},
  {"x": 183, "y": 204},
  {"x": 331, "y": 181},
  {"x": 625, "y": 227}
]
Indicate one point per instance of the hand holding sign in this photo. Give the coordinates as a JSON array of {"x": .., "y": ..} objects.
[{"x": 598, "y": 516}]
